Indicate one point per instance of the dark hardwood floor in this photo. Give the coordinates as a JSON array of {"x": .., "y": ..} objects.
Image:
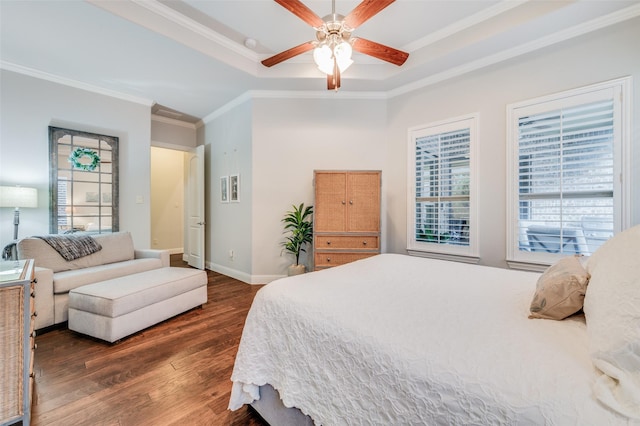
[{"x": 174, "y": 373}]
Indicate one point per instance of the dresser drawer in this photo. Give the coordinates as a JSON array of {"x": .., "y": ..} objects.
[
  {"x": 327, "y": 260},
  {"x": 347, "y": 242}
]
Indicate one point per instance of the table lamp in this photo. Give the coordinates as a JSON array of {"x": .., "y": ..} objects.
[{"x": 16, "y": 197}]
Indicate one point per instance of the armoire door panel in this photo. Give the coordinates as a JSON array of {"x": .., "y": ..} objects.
[
  {"x": 330, "y": 203},
  {"x": 363, "y": 204}
]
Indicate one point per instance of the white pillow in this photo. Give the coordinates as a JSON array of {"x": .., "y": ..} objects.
[{"x": 612, "y": 311}]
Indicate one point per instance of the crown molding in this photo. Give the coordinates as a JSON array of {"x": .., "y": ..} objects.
[
  {"x": 569, "y": 33},
  {"x": 196, "y": 27},
  {"x": 173, "y": 121},
  {"x": 315, "y": 94},
  {"x": 160, "y": 18},
  {"x": 560, "y": 36},
  {"x": 475, "y": 19},
  {"x": 292, "y": 94},
  {"x": 575, "y": 31},
  {"x": 73, "y": 83},
  {"x": 227, "y": 107}
]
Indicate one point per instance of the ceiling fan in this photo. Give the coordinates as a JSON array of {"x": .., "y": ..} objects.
[{"x": 334, "y": 44}]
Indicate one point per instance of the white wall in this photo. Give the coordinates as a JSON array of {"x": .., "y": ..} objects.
[
  {"x": 599, "y": 56},
  {"x": 167, "y": 199},
  {"x": 28, "y": 106},
  {"x": 291, "y": 139},
  {"x": 227, "y": 140},
  {"x": 275, "y": 145},
  {"x": 172, "y": 134}
]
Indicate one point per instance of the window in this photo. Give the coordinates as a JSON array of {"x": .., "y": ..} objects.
[
  {"x": 565, "y": 173},
  {"x": 441, "y": 180},
  {"x": 83, "y": 182}
]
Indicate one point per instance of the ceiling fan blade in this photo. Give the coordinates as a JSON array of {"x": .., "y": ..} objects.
[
  {"x": 288, "y": 54},
  {"x": 364, "y": 11},
  {"x": 380, "y": 51},
  {"x": 333, "y": 80},
  {"x": 301, "y": 11}
]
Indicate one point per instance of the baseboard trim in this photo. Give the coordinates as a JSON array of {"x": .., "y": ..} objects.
[
  {"x": 265, "y": 279},
  {"x": 233, "y": 273},
  {"x": 240, "y": 275}
]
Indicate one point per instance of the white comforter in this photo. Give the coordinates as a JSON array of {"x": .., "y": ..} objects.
[{"x": 395, "y": 339}]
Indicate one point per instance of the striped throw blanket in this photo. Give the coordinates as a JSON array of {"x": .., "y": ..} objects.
[{"x": 72, "y": 247}]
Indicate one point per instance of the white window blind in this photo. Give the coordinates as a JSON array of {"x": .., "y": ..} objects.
[
  {"x": 565, "y": 179},
  {"x": 441, "y": 179},
  {"x": 566, "y": 176}
]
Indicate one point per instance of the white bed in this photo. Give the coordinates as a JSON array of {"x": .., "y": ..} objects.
[{"x": 395, "y": 339}]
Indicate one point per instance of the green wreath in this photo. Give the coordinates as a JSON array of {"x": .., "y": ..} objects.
[{"x": 79, "y": 153}]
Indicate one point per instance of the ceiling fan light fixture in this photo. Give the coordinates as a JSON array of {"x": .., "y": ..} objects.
[
  {"x": 325, "y": 56},
  {"x": 334, "y": 45}
]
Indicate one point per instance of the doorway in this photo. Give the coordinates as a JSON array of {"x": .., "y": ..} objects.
[{"x": 167, "y": 199}]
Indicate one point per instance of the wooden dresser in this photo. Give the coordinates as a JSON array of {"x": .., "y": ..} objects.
[
  {"x": 346, "y": 218},
  {"x": 17, "y": 335}
]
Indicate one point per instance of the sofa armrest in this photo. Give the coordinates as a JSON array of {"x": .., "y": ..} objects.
[
  {"x": 44, "y": 303},
  {"x": 163, "y": 255}
]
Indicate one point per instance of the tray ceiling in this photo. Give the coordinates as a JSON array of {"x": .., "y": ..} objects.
[{"x": 191, "y": 56}]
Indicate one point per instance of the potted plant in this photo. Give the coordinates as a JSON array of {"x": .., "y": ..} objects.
[{"x": 298, "y": 223}]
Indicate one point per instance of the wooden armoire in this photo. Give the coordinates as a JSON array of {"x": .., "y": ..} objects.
[{"x": 346, "y": 218}]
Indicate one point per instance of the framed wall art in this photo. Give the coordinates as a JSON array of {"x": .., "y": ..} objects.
[
  {"x": 234, "y": 188},
  {"x": 224, "y": 189}
]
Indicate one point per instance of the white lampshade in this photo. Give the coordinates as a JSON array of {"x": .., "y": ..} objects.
[
  {"x": 18, "y": 196},
  {"x": 342, "y": 53},
  {"x": 322, "y": 56}
]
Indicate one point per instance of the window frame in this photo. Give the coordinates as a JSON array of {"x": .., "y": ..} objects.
[
  {"x": 462, "y": 253},
  {"x": 621, "y": 95}
]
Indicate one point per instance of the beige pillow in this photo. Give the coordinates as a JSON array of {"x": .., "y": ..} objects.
[{"x": 560, "y": 290}]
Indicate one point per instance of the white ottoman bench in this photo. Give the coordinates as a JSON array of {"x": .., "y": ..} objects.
[{"x": 112, "y": 309}]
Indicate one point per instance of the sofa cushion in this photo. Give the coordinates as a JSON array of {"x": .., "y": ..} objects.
[
  {"x": 68, "y": 280},
  {"x": 116, "y": 247},
  {"x": 119, "y": 296}
]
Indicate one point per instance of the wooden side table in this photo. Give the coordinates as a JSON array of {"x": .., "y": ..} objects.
[{"x": 17, "y": 312}]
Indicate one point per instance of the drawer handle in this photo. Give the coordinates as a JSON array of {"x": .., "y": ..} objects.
[
  {"x": 33, "y": 294},
  {"x": 32, "y": 375},
  {"x": 33, "y": 334},
  {"x": 35, "y": 346},
  {"x": 328, "y": 242},
  {"x": 328, "y": 259}
]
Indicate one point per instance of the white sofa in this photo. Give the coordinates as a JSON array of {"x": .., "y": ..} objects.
[{"x": 57, "y": 276}]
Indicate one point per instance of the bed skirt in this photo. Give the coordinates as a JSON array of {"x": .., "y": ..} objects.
[{"x": 273, "y": 411}]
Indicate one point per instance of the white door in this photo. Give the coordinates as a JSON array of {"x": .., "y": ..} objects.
[{"x": 195, "y": 208}]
